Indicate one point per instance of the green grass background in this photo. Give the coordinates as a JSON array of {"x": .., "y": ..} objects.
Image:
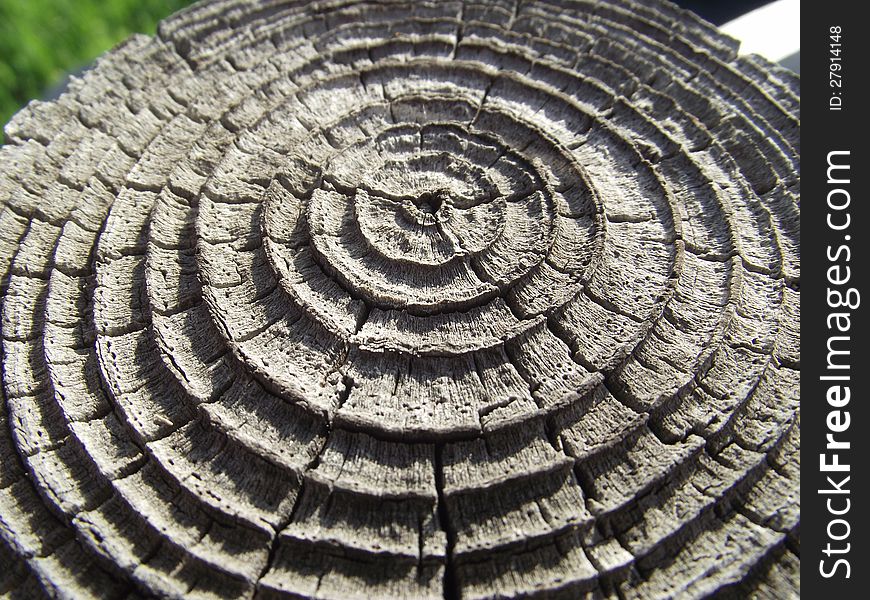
[{"x": 42, "y": 40}]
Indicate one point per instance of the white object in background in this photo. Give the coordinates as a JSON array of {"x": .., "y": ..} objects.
[{"x": 773, "y": 31}]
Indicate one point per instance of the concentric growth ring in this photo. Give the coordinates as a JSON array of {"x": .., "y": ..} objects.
[{"x": 404, "y": 299}]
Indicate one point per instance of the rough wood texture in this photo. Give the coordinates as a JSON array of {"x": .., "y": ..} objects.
[{"x": 404, "y": 299}]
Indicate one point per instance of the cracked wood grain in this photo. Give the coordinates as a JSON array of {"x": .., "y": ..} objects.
[{"x": 478, "y": 299}]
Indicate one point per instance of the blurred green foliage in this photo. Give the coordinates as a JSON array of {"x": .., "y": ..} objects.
[{"x": 42, "y": 40}]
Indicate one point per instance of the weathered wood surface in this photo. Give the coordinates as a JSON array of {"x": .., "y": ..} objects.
[{"x": 404, "y": 299}]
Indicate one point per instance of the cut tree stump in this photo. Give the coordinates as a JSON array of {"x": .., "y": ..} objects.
[{"x": 405, "y": 299}]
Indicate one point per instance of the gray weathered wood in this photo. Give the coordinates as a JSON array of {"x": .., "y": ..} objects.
[{"x": 404, "y": 299}]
